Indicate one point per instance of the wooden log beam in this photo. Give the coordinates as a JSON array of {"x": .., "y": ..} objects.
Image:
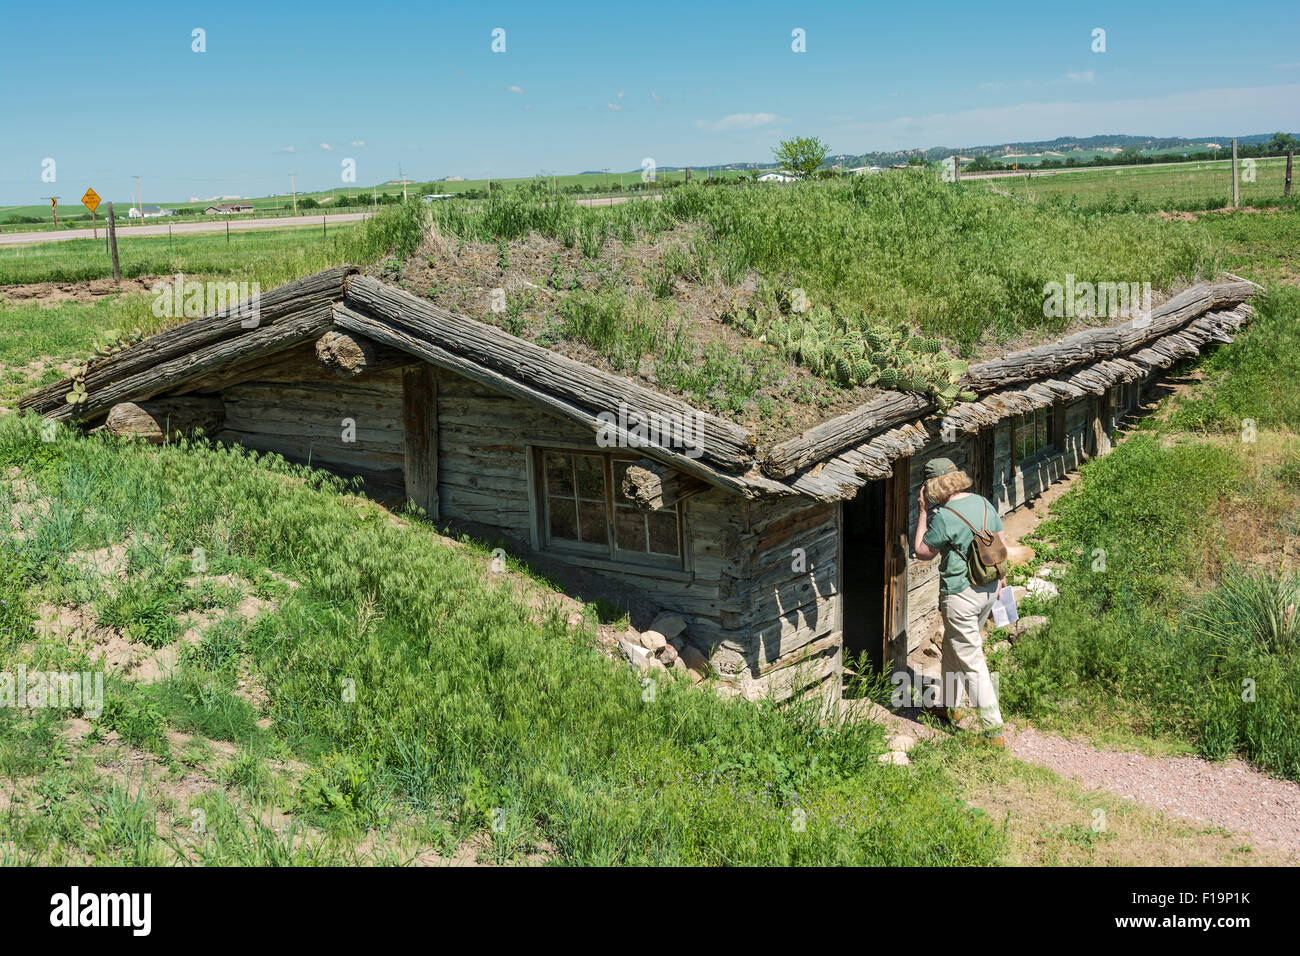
[
  {"x": 348, "y": 356},
  {"x": 208, "y": 360},
  {"x": 420, "y": 433},
  {"x": 174, "y": 344},
  {"x": 826, "y": 439},
  {"x": 717, "y": 442},
  {"x": 1092, "y": 345},
  {"x": 386, "y": 331},
  {"x": 653, "y": 486},
  {"x": 166, "y": 418}
]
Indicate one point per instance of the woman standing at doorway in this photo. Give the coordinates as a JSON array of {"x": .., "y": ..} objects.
[{"x": 947, "y": 534}]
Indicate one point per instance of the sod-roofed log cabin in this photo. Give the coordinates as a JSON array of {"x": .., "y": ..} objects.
[{"x": 780, "y": 559}]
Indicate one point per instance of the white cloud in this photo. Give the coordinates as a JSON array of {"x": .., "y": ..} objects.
[
  {"x": 288, "y": 149},
  {"x": 515, "y": 89},
  {"x": 613, "y": 106},
  {"x": 327, "y": 147},
  {"x": 1084, "y": 76},
  {"x": 655, "y": 96},
  {"x": 620, "y": 94},
  {"x": 738, "y": 121},
  {"x": 358, "y": 142}
]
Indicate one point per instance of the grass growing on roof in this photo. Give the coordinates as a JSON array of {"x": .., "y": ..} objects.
[{"x": 954, "y": 260}]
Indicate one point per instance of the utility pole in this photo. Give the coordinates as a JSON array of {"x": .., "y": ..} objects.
[
  {"x": 139, "y": 193},
  {"x": 293, "y": 189},
  {"x": 402, "y": 176},
  {"x": 1234, "y": 174},
  {"x": 1286, "y": 190}
]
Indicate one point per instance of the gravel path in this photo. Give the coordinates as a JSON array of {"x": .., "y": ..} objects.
[{"x": 1228, "y": 794}]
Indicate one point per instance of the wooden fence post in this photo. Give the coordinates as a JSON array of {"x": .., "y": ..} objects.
[
  {"x": 112, "y": 243},
  {"x": 1286, "y": 190},
  {"x": 1234, "y": 174}
]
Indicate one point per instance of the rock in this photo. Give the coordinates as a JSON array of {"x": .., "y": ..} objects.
[
  {"x": 653, "y": 641},
  {"x": 1043, "y": 589},
  {"x": 636, "y": 655},
  {"x": 1002, "y": 646},
  {"x": 1022, "y": 627},
  {"x": 1019, "y": 554},
  {"x": 901, "y": 743},
  {"x": 656, "y": 664},
  {"x": 669, "y": 654},
  {"x": 669, "y": 625},
  {"x": 695, "y": 661},
  {"x": 1019, "y": 593},
  {"x": 895, "y": 757},
  {"x": 575, "y": 620}
]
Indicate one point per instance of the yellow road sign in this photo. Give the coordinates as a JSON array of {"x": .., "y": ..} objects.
[{"x": 90, "y": 200}]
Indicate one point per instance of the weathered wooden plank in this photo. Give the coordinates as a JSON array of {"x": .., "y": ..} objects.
[
  {"x": 215, "y": 357},
  {"x": 1093, "y": 344},
  {"x": 722, "y": 444},
  {"x": 823, "y": 440},
  {"x": 420, "y": 426},
  {"x": 382, "y": 330},
  {"x": 200, "y": 336}
]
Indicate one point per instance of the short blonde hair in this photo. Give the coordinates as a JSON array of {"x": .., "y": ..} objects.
[{"x": 939, "y": 490}]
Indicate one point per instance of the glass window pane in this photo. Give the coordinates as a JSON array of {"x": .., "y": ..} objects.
[
  {"x": 663, "y": 532},
  {"x": 591, "y": 476},
  {"x": 1043, "y": 436},
  {"x": 563, "y": 518},
  {"x": 559, "y": 474},
  {"x": 631, "y": 530},
  {"x": 593, "y": 522}
]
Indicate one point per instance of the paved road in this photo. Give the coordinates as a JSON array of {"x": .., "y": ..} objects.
[{"x": 212, "y": 224}]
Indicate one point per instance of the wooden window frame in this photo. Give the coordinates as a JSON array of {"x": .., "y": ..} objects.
[
  {"x": 1044, "y": 449},
  {"x": 609, "y": 553}
]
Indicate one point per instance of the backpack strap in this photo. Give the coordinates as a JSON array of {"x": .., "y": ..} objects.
[{"x": 983, "y": 524}]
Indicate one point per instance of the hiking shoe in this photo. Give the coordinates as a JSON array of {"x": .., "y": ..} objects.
[
  {"x": 996, "y": 741},
  {"x": 945, "y": 715}
]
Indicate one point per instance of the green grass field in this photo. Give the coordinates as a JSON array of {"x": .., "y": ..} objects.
[
  {"x": 269, "y": 255},
  {"x": 478, "y": 716},
  {"x": 1180, "y": 187}
]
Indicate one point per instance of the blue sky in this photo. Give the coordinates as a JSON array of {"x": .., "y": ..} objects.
[{"x": 111, "y": 92}]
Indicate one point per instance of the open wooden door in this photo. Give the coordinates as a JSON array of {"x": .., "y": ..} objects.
[{"x": 897, "y": 548}]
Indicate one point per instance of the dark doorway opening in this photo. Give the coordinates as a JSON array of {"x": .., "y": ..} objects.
[{"x": 863, "y": 578}]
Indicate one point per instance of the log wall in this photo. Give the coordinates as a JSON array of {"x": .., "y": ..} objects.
[{"x": 304, "y": 422}]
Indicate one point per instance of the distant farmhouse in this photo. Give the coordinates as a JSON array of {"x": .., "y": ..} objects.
[
  {"x": 228, "y": 209},
  {"x": 150, "y": 212}
]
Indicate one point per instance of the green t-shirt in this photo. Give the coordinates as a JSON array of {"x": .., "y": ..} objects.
[{"x": 947, "y": 534}]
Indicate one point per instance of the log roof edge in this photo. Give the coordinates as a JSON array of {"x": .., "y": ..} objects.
[{"x": 849, "y": 447}]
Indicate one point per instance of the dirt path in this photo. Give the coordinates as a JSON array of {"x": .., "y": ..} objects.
[{"x": 1230, "y": 794}]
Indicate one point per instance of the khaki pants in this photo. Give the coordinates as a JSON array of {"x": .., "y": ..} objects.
[{"x": 965, "y": 672}]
